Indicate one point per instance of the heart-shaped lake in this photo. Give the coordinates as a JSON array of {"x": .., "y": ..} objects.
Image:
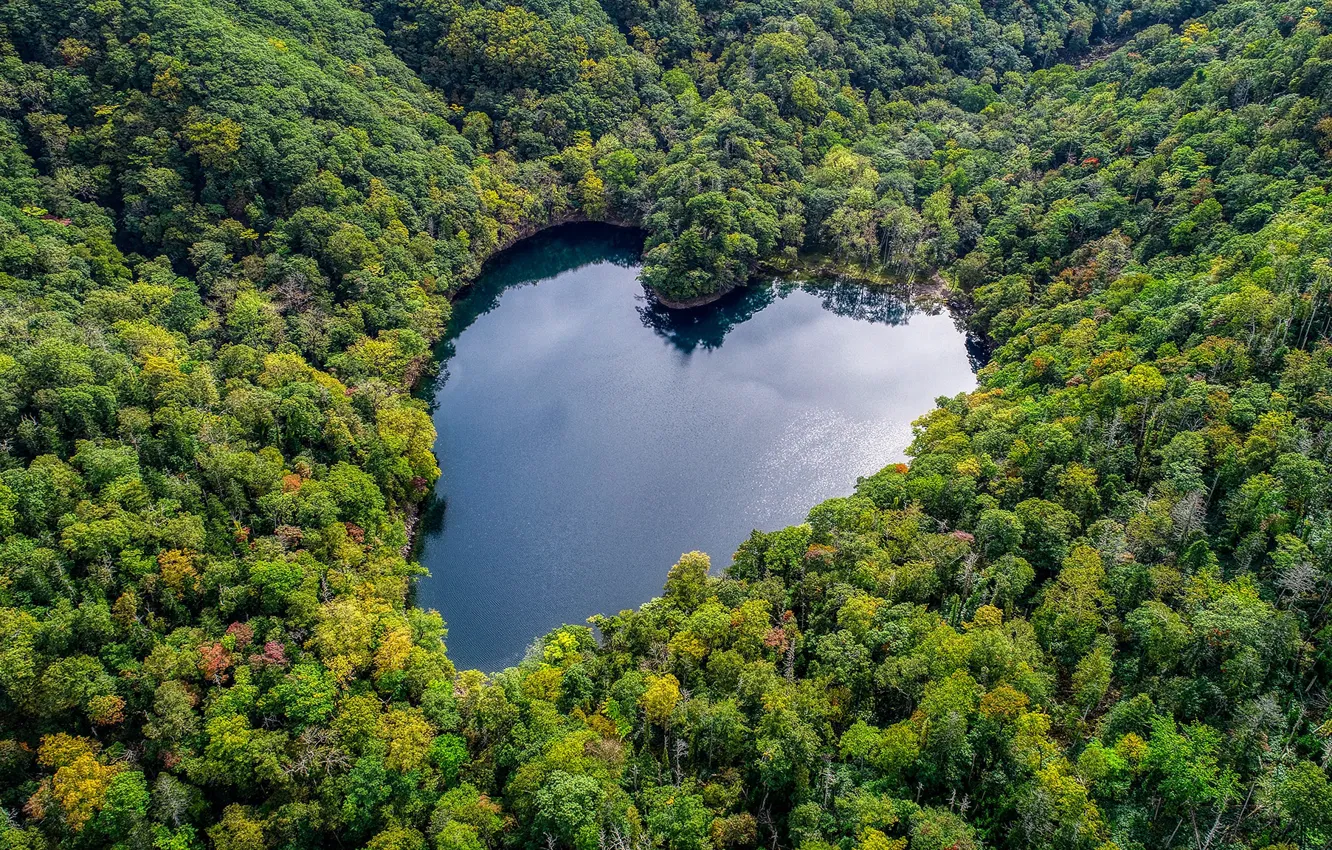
[{"x": 588, "y": 436}]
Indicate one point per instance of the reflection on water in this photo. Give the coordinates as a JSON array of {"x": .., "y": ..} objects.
[
  {"x": 549, "y": 253},
  {"x": 571, "y": 247},
  {"x": 706, "y": 327},
  {"x": 587, "y": 436}
]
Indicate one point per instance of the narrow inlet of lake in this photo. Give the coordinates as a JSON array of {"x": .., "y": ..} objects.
[{"x": 588, "y": 437}]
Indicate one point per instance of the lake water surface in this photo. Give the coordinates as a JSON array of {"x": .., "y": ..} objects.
[{"x": 588, "y": 437}]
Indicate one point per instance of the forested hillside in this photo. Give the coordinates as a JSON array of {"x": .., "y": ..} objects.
[{"x": 1092, "y": 612}]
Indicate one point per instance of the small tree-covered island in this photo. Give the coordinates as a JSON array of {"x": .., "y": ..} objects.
[{"x": 1093, "y": 610}]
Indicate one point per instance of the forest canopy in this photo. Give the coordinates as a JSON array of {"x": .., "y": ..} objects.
[{"x": 1091, "y": 612}]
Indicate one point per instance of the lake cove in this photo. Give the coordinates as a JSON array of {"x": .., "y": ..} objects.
[{"x": 588, "y": 436}]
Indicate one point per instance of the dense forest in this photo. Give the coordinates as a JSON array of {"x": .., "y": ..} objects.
[{"x": 1092, "y": 612}]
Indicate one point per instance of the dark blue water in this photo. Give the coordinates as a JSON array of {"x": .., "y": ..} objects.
[{"x": 588, "y": 437}]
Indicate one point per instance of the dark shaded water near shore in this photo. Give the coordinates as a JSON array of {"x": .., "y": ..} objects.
[{"x": 588, "y": 437}]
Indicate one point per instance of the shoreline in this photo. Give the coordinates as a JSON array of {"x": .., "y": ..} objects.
[{"x": 930, "y": 285}]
